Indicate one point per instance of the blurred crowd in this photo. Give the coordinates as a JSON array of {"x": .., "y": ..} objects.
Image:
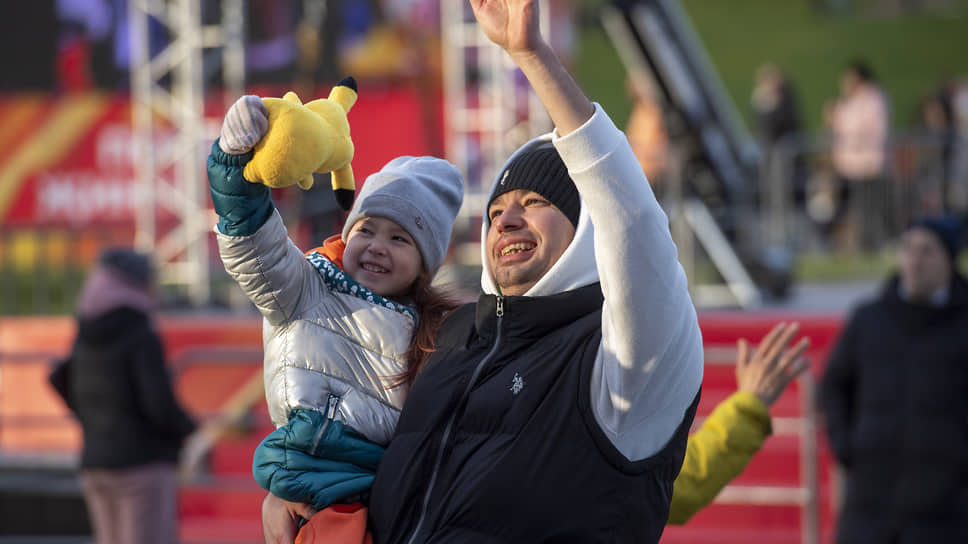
[
  {"x": 83, "y": 44},
  {"x": 857, "y": 182}
]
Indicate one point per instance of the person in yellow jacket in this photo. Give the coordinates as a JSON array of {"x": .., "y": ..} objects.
[{"x": 735, "y": 430}]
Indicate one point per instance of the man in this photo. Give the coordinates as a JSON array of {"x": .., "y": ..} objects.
[
  {"x": 736, "y": 429},
  {"x": 895, "y": 395},
  {"x": 556, "y": 407}
]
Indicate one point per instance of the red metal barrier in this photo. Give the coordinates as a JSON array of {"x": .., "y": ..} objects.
[{"x": 200, "y": 349}]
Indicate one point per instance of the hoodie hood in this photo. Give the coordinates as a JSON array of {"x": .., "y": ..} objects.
[
  {"x": 576, "y": 266},
  {"x": 106, "y": 290}
]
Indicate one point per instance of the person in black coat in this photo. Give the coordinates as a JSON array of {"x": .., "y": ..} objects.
[
  {"x": 116, "y": 383},
  {"x": 895, "y": 397}
]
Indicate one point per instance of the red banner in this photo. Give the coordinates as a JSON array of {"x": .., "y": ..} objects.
[{"x": 68, "y": 160}]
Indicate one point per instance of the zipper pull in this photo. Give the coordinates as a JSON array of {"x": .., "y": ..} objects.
[
  {"x": 500, "y": 306},
  {"x": 331, "y": 405}
]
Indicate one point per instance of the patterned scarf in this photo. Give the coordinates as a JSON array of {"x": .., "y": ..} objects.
[{"x": 339, "y": 281}]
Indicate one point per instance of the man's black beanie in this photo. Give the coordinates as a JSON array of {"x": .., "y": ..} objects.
[{"x": 540, "y": 169}]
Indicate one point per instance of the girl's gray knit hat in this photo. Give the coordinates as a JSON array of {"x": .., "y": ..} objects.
[{"x": 422, "y": 195}]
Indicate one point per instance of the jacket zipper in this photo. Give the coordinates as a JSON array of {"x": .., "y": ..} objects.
[
  {"x": 332, "y": 404},
  {"x": 453, "y": 417}
]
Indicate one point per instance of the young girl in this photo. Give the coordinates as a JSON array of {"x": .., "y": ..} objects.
[{"x": 347, "y": 326}]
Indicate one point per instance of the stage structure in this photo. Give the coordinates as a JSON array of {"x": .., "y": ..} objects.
[
  {"x": 167, "y": 91},
  {"x": 490, "y": 110}
]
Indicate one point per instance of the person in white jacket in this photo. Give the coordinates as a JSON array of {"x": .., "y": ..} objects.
[{"x": 339, "y": 323}]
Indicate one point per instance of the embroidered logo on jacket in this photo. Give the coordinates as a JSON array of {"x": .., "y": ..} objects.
[{"x": 517, "y": 383}]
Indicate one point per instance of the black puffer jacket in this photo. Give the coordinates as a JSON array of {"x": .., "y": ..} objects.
[
  {"x": 895, "y": 396},
  {"x": 497, "y": 441},
  {"x": 116, "y": 383}
]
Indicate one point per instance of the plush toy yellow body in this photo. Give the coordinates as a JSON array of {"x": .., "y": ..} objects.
[{"x": 306, "y": 138}]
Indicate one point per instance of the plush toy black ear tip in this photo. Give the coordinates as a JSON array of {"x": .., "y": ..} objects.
[
  {"x": 344, "y": 197},
  {"x": 347, "y": 82}
]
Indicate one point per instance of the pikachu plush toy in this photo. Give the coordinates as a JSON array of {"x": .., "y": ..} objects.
[{"x": 307, "y": 138}]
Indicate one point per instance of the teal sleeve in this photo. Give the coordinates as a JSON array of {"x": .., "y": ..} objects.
[{"x": 242, "y": 207}]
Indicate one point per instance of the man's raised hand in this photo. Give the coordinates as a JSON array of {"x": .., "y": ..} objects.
[{"x": 512, "y": 24}]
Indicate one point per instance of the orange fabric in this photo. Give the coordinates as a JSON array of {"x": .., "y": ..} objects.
[
  {"x": 332, "y": 249},
  {"x": 337, "y": 524}
]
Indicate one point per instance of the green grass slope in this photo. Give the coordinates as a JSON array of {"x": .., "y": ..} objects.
[{"x": 911, "y": 54}]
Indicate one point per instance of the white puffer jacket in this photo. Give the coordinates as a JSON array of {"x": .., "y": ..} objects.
[{"x": 319, "y": 342}]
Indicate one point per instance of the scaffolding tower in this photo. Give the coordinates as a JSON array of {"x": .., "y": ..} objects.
[
  {"x": 170, "y": 136},
  {"x": 490, "y": 110}
]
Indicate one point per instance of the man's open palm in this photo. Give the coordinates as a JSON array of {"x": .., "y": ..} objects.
[{"x": 512, "y": 24}]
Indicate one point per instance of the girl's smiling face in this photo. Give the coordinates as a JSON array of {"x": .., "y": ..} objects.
[{"x": 381, "y": 256}]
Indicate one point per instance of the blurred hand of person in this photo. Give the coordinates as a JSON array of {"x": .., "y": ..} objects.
[
  {"x": 767, "y": 370},
  {"x": 194, "y": 451},
  {"x": 280, "y": 519},
  {"x": 245, "y": 124}
]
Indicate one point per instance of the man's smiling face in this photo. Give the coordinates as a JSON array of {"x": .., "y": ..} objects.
[{"x": 527, "y": 236}]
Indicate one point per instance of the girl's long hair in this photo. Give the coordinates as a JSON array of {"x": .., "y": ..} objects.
[{"x": 432, "y": 305}]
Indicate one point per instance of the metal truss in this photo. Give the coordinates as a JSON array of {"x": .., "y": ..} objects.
[
  {"x": 170, "y": 137},
  {"x": 490, "y": 109}
]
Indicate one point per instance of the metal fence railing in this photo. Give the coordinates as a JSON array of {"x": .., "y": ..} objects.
[
  {"x": 807, "y": 204},
  {"x": 801, "y": 209},
  {"x": 42, "y": 432}
]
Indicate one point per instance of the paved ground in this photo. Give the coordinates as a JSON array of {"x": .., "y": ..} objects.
[{"x": 828, "y": 297}]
